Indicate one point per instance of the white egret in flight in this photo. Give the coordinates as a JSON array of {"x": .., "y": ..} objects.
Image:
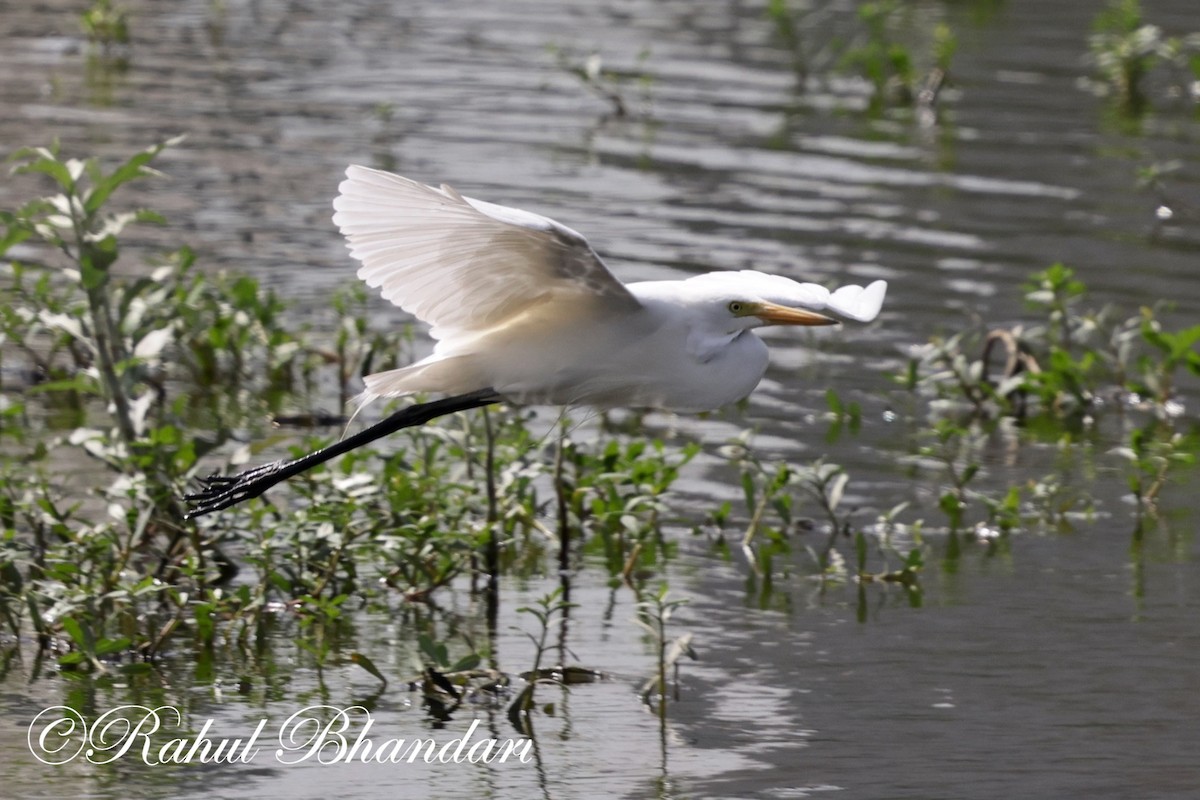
[{"x": 523, "y": 310}]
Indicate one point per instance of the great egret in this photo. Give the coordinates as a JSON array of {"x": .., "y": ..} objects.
[{"x": 524, "y": 310}]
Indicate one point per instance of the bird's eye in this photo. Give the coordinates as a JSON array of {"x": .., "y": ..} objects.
[{"x": 735, "y": 307}]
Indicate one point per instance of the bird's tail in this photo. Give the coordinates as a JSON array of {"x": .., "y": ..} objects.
[{"x": 453, "y": 375}]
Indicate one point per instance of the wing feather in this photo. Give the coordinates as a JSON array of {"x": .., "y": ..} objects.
[{"x": 464, "y": 265}]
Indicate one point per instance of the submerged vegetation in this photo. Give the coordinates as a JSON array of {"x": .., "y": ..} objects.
[
  {"x": 901, "y": 64},
  {"x": 905, "y": 63},
  {"x": 1127, "y": 50}
]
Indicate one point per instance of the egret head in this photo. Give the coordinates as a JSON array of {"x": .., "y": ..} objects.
[
  {"x": 753, "y": 312},
  {"x": 732, "y": 302}
]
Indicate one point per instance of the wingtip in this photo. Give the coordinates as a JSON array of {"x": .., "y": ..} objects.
[
  {"x": 356, "y": 173},
  {"x": 870, "y": 302},
  {"x": 859, "y": 303}
]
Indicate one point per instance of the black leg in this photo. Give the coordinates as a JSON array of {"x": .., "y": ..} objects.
[{"x": 221, "y": 491}]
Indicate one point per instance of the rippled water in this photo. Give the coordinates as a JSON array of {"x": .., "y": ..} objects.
[{"x": 1051, "y": 666}]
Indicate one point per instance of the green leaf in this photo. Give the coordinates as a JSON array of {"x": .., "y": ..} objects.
[
  {"x": 135, "y": 167},
  {"x": 1183, "y": 341},
  {"x": 366, "y": 663},
  {"x": 75, "y": 631},
  {"x": 203, "y": 615},
  {"x": 749, "y": 490},
  {"x": 35, "y": 614},
  {"x": 952, "y": 507},
  {"x": 834, "y": 402},
  {"x": 915, "y": 560},
  {"x": 72, "y": 659},
  {"x": 10, "y": 576},
  {"x": 15, "y": 233},
  {"x": 434, "y": 651},
  {"x": 77, "y": 383},
  {"x": 107, "y": 646},
  {"x": 146, "y": 215},
  {"x": 467, "y": 662},
  {"x": 137, "y": 668},
  {"x": 40, "y": 159},
  {"x": 93, "y": 271}
]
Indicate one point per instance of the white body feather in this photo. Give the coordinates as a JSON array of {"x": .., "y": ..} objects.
[{"x": 523, "y": 305}]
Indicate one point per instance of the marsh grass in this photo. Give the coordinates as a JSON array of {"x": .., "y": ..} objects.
[
  {"x": 1067, "y": 372},
  {"x": 903, "y": 65},
  {"x": 1127, "y": 50}
]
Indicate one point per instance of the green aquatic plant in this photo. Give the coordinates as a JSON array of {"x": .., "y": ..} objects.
[
  {"x": 826, "y": 484},
  {"x": 149, "y": 370},
  {"x": 901, "y": 70},
  {"x": 881, "y": 59},
  {"x": 96, "y": 594},
  {"x": 106, "y": 24},
  {"x": 1153, "y": 453},
  {"x": 1157, "y": 369},
  {"x": 446, "y": 681},
  {"x": 1073, "y": 361},
  {"x": 77, "y": 222},
  {"x": 955, "y": 449},
  {"x": 550, "y": 612},
  {"x": 1061, "y": 374},
  {"x": 1126, "y": 49},
  {"x": 776, "y": 494},
  {"x": 906, "y": 575},
  {"x": 607, "y": 84},
  {"x": 764, "y": 488},
  {"x": 615, "y": 491},
  {"x": 93, "y": 339},
  {"x": 654, "y": 612},
  {"x": 783, "y": 16},
  {"x": 842, "y": 414}
]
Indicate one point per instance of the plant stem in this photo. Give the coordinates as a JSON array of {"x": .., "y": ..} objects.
[{"x": 492, "y": 548}]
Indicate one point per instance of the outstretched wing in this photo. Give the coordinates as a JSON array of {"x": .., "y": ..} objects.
[{"x": 463, "y": 265}]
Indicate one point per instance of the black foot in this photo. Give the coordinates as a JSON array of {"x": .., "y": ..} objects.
[{"x": 223, "y": 491}]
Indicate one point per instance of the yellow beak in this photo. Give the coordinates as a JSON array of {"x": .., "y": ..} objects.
[{"x": 773, "y": 314}]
